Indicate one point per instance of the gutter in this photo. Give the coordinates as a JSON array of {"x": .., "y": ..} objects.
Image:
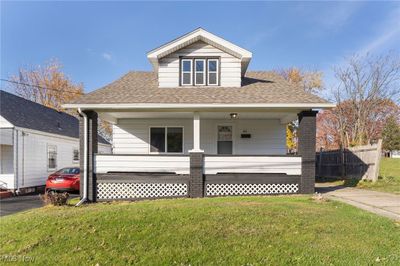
[{"x": 85, "y": 156}]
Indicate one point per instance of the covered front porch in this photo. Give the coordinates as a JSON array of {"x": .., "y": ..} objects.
[{"x": 197, "y": 153}]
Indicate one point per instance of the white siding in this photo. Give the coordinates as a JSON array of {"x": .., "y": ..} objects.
[
  {"x": 168, "y": 73},
  {"x": 116, "y": 163},
  {"x": 267, "y": 136},
  {"x": 6, "y": 159},
  {"x": 131, "y": 136},
  {"x": 6, "y": 136},
  {"x": 252, "y": 164},
  {"x": 4, "y": 123},
  {"x": 32, "y": 156}
]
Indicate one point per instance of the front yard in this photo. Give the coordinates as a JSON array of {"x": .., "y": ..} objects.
[{"x": 276, "y": 230}]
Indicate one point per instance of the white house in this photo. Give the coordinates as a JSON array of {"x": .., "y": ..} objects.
[
  {"x": 199, "y": 125},
  {"x": 35, "y": 141},
  {"x": 395, "y": 154}
]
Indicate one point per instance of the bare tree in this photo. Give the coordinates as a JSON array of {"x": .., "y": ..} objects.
[
  {"x": 46, "y": 85},
  {"x": 49, "y": 86},
  {"x": 365, "y": 83}
]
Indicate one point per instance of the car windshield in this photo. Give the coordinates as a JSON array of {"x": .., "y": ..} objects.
[{"x": 69, "y": 171}]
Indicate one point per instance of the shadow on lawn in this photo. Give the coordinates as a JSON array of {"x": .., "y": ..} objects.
[{"x": 332, "y": 184}]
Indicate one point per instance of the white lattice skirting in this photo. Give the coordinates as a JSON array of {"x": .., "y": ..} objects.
[
  {"x": 250, "y": 189},
  {"x": 140, "y": 190}
]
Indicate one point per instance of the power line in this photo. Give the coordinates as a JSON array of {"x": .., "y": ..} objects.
[{"x": 37, "y": 86}]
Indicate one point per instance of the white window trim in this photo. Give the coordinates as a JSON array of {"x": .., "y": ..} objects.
[
  {"x": 216, "y": 72},
  {"x": 55, "y": 148},
  {"x": 198, "y": 72},
  {"x": 191, "y": 72},
  {"x": 165, "y": 141},
  {"x": 233, "y": 136}
]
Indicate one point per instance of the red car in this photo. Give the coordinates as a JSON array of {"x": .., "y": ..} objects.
[{"x": 64, "y": 180}]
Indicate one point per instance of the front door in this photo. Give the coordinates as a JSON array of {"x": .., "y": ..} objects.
[{"x": 224, "y": 141}]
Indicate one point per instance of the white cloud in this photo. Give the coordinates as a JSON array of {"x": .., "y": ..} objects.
[
  {"x": 337, "y": 17},
  {"x": 389, "y": 31},
  {"x": 260, "y": 37},
  {"x": 388, "y": 34},
  {"x": 107, "y": 56}
]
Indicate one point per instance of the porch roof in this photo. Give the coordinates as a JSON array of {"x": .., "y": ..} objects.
[{"x": 260, "y": 88}]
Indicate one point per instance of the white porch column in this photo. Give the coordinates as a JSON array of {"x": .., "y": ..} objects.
[{"x": 196, "y": 133}]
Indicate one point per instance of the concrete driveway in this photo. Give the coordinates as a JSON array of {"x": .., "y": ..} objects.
[
  {"x": 381, "y": 203},
  {"x": 21, "y": 203}
]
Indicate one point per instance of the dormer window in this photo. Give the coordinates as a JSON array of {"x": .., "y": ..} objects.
[
  {"x": 199, "y": 71},
  {"x": 187, "y": 75},
  {"x": 212, "y": 72}
]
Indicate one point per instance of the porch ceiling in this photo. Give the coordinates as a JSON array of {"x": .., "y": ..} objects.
[{"x": 283, "y": 116}]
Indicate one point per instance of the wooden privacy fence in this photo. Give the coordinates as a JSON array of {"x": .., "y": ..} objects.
[{"x": 361, "y": 162}]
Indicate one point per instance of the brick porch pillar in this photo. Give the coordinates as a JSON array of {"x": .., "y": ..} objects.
[
  {"x": 92, "y": 149},
  {"x": 196, "y": 183},
  {"x": 306, "y": 148}
]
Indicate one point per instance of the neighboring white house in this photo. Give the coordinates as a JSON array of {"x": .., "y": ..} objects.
[
  {"x": 35, "y": 141},
  {"x": 203, "y": 118},
  {"x": 395, "y": 154}
]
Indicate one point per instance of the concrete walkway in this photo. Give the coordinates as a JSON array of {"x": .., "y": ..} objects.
[{"x": 384, "y": 204}]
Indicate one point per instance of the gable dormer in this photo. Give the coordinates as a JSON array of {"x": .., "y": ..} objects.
[{"x": 199, "y": 58}]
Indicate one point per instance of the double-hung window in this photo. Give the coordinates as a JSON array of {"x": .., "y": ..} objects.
[
  {"x": 166, "y": 139},
  {"x": 200, "y": 69},
  {"x": 75, "y": 155},
  {"x": 212, "y": 71},
  {"x": 51, "y": 157},
  {"x": 187, "y": 72}
]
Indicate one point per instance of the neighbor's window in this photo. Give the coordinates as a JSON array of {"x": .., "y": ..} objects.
[
  {"x": 199, "y": 71},
  {"x": 166, "y": 139},
  {"x": 51, "y": 157},
  {"x": 212, "y": 72},
  {"x": 186, "y": 75},
  {"x": 75, "y": 155}
]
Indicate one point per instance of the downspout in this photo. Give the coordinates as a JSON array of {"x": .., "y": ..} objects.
[
  {"x": 85, "y": 155},
  {"x": 23, "y": 158},
  {"x": 16, "y": 160}
]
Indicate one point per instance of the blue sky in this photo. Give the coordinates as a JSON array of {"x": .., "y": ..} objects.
[{"x": 97, "y": 42}]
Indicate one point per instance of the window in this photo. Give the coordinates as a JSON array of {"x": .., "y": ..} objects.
[
  {"x": 200, "y": 77},
  {"x": 75, "y": 155},
  {"x": 157, "y": 139},
  {"x": 212, "y": 72},
  {"x": 199, "y": 71},
  {"x": 51, "y": 157},
  {"x": 224, "y": 141},
  {"x": 166, "y": 139},
  {"x": 186, "y": 72}
]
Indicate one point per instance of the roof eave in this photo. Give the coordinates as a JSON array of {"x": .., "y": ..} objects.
[{"x": 136, "y": 106}]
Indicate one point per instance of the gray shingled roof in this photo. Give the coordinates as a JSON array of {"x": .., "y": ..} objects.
[
  {"x": 142, "y": 87},
  {"x": 27, "y": 114}
]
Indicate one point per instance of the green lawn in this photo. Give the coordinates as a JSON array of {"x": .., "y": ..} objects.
[
  {"x": 276, "y": 230},
  {"x": 389, "y": 177}
]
